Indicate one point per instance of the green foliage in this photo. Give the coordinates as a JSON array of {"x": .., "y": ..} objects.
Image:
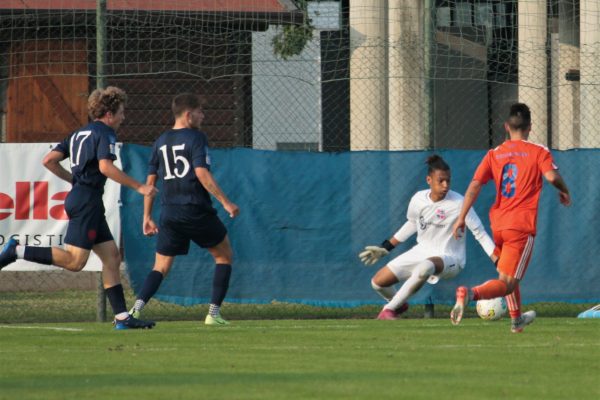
[{"x": 292, "y": 39}]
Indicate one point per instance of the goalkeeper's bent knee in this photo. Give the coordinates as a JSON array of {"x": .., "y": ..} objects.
[
  {"x": 375, "y": 286},
  {"x": 425, "y": 269}
]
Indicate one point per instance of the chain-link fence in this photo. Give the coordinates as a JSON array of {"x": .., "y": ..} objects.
[{"x": 324, "y": 76}]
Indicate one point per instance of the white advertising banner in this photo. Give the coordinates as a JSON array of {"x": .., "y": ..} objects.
[{"x": 32, "y": 202}]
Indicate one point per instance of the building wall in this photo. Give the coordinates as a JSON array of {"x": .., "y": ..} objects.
[
  {"x": 286, "y": 96},
  {"x": 47, "y": 88}
]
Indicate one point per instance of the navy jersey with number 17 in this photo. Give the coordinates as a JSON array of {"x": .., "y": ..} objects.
[
  {"x": 175, "y": 155},
  {"x": 85, "y": 148}
]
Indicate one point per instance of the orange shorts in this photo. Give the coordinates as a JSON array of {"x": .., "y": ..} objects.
[{"x": 515, "y": 252}]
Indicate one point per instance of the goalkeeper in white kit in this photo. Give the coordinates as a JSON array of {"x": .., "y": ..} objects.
[{"x": 437, "y": 254}]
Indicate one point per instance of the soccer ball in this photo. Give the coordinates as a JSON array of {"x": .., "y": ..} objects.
[{"x": 492, "y": 309}]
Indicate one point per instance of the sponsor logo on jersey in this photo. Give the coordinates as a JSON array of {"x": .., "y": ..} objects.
[{"x": 440, "y": 213}]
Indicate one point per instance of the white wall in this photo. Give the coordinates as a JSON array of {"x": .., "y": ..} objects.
[{"x": 286, "y": 94}]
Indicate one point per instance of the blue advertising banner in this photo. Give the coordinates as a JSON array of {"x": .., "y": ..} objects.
[{"x": 305, "y": 217}]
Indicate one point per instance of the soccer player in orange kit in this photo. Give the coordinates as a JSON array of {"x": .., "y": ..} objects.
[{"x": 516, "y": 167}]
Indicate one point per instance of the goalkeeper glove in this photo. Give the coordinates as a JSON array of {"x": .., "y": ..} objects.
[{"x": 372, "y": 254}]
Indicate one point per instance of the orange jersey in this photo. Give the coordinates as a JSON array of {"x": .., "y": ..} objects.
[{"x": 516, "y": 166}]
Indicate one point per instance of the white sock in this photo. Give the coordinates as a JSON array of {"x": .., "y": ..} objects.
[
  {"x": 214, "y": 310},
  {"x": 139, "y": 305},
  {"x": 386, "y": 292},
  {"x": 418, "y": 277},
  {"x": 20, "y": 252},
  {"x": 122, "y": 316}
]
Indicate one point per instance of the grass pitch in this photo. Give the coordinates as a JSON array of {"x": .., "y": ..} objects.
[{"x": 555, "y": 358}]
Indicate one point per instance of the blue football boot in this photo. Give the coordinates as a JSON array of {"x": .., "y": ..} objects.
[
  {"x": 132, "y": 323},
  {"x": 8, "y": 254}
]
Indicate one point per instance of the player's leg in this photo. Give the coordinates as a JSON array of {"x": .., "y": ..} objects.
[
  {"x": 383, "y": 282},
  {"x": 79, "y": 239},
  {"x": 514, "y": 258},
  {"x": 464, "y": 295},
  {"x": 162, "y": 266},
  {"x": 207, "y": 231},
  {"x": 223, "y": 256},
  {"x": 86, "y": 221},
  {"x": 87, "y": 225},
  {"x": 420, "y": 273},
  {"x": 173, "y": 239},
  {"x": 513, "y": 302},
  {"x": 399, "y": 269},
  {"x": 518, "y": 320},
  {"x": 8, "y": 254},
  {"x": 517, "y": 250},
  {"x": 111, "y": 276},
  {"x": 72, "y": 258},
  {"x": 82, "y": 232}
]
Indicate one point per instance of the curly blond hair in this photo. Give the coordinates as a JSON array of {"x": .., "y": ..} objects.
[{"x": 102, "y": 101}]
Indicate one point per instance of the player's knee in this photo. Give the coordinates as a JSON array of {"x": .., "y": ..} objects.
[
  {"x": 510, "y": 287},
  {"x": 77, "y": 265},
  {"x": 375, "y": 285},
  {"x": 425, "y": 269},
  {"x": 511, "y": 284},
  {"x": 224, "y": 256},
  {"x": 163, "y": 269}
]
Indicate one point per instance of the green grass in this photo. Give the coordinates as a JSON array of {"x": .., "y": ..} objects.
[
  {"x": 81, "y": 305},
  {"x": 555, "y": 358}
]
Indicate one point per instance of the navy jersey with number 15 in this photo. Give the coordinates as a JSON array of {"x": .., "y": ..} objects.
[
  {"x": 175, "y": 155},
  {"x": 85, "y": 148}
]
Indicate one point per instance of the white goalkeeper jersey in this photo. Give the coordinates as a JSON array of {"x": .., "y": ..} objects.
[{"x": 433, "y": 222}]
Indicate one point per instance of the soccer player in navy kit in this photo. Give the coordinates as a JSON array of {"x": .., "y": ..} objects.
[
  {"x": 91, "y": 151},
  {"x": 181, "y": 161}
]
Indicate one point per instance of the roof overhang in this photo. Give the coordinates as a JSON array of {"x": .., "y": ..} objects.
[{"x": 270, "y": 11}]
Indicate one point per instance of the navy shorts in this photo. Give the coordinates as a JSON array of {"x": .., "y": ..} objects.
[
  {"x": 87, "y": 223},
  {"x": 180, "y": 224}
]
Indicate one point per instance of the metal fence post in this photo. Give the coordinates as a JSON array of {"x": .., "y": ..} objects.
[{"x": 100, "y": 83}]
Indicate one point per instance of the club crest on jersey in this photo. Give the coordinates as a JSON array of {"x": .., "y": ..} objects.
[{"x": 440, "y": 213}]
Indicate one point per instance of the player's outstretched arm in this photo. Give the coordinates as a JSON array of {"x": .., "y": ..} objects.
[
  {"x": 371, "y": 254},
  {"x": 478, "y": 230},
  {"x": 52, "y": 163},
  {"x": 555, "y": 179},
  {"x": 109, "y": 170},
  {"x": 208, "y": 181}
]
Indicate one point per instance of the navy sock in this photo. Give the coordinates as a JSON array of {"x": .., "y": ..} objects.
[
  {"x": 151, "y": 285},
  {"x": 40, "y": 255},
  {"x": 220, "y": 283},
  {"x": 116, "y": 298}
]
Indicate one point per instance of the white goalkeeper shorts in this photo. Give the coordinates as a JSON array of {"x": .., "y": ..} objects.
[{"x": 403, "y": 265}]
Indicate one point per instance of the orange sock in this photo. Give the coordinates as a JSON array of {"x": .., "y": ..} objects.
[
  {"x": 489, "y": 290},
  {"x": 513, "y": 301}
]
